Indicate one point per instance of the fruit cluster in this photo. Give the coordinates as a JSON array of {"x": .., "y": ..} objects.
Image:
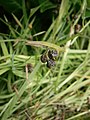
[{"x": 49, "y": 57}]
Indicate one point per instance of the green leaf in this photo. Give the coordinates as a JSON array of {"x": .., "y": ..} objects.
[
  {"x": 87, "y": 14},
  {"x": 11, "y": 5},
  {"x": 88, "y": 4},
  {"x": 3, "y": 70},
  {"x": 46, "y": 5},
  {"x": 19, "y": 73},
  {"x": 4, "y": 48},
  {"x": 33, "y": 10}
]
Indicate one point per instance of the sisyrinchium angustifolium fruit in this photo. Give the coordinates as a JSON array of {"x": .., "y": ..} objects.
[{"x": 49, "y": 57}]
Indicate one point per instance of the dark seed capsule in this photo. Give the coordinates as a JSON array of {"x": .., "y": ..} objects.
[
  {"x": 30, "y": 67},
  {"x": 52, "y": 54},
  {"x": 77, "y": 28},
  {"x": 50, "y": 63},
  {"x": 44, "y": 58}
]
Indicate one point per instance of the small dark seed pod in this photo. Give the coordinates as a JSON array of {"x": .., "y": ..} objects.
[
  {"x": 44, "y": 58},
  {"x": 50, "y": 63},
  {"x": 77, "y": 28},
  {"x": 30, "y": 67},
  {"x": 52, "y": 54}
]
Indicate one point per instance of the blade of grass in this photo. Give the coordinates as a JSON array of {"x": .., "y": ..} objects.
[
  {"x": 8, "y": 111},
  {"x": 4, "y": 48},
  {"x": 24, "y": 12},
  {"x": 4, "y": 70},
  {"x": 42, "y": 43},
  {"x": 79, "y": 115},
  {"x": 17, "y": 21}
]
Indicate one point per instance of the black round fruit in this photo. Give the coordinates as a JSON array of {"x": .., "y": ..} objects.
[
  {"x": 52, "y": 54},
  {"x": 50, "y": 63},
  {"x": 44, "y": 58}
]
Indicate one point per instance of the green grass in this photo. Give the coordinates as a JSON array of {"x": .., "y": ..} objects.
[{"x": 46, "y": 94}]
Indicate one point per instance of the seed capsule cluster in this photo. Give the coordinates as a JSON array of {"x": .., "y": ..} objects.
[{"x": 49, "y": 57}]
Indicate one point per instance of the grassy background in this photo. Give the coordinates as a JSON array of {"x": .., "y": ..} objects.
[{"x": 28, "y": 89}]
